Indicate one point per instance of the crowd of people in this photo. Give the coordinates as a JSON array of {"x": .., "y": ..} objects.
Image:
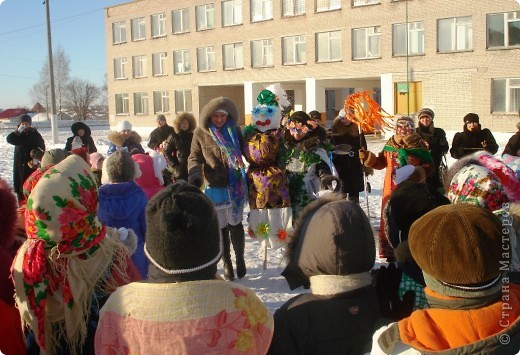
[{"x": 118, "y": 253}]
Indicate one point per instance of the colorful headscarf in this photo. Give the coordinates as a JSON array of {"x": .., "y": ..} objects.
[
  {"x": 227, "y": 140},
  {"x": 66, "y": 256}
]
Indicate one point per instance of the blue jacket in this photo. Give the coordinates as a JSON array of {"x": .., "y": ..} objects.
[{"x": 124, "y": 205}]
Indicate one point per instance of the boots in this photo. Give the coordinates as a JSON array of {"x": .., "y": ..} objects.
[
  {"x": 226, "y": 255},
  {"x": 238, "y": 240}
]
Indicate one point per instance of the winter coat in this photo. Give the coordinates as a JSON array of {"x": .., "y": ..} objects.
[
  {"x": 513, "y": 145},
  {"x": 491, "y": 329},
  {"x": 349, "y": 167},
  {"x": 397, "y": 152},
  {"x": 148, "y": 180},
  {"x": 123, "y": 205},
  {"x": 438, "y": 145},
  {"x": 118, "y": 141},
  {"x": 206, "y": 159},
  {"x": 86, "y": 139},
  {"x": 192, "y": 317},
  {"x": 466, "y": 142},
  {"x": 24, "y": 143},
  {"x": 159, "y": 135},
  {"x": 178, "y": 146}
]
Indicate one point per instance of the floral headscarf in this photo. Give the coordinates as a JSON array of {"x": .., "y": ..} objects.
[{"x": 66, "y": 255}]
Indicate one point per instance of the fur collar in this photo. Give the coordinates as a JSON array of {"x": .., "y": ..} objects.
[
  {"x": 326, "y": 285},
  {"x": 118, "y": 139},
  {"x": 218, "y": 103},
  {"x": 340, "y": 129},
  {"x": 184, "y": 116}
]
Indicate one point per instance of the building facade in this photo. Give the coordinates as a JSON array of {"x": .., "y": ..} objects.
[{"x": 167, "y": 56}]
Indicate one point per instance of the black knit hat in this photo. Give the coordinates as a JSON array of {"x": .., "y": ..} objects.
[
  {"x": 471, "y": 117},
  {"x": 25, "y": 118},
  {"x": 182, "y": 234},
  {"x": 426, "y": 112}
]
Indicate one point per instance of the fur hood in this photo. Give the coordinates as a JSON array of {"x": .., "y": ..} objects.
[
  {"x": 338, "y": 128},
  {"x": 76, "y": 126},
  {"x": 184, "y": 116},
  {"x": 218, "y": 103},
  {"x": 118, "y": 139}
]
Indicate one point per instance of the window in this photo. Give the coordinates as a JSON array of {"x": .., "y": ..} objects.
[
  {"x": 139, "y": 66},
  {"x": 454, "y": 34},
  {"x": 366, "y": 42},
  {"x": 205, "y": 17},
  {"x": 293, "y": 7},
  {"x": 365, "y": 2},
  {"x": 231, "y": 12},
  {"x": 140, "y": 103},
  {"x": 415, "y": 38},
  {"x": 503, "y": 30},
  {"x": 506, "y": 95},
  {"x": 120, "y": 68},
  {"x": 328, "y": 46},
  {"x": 262, "y": 53},
  {"x": 233, "y": 56},
  {"x": 121, "y": 104},
  {"x": 159, "y": 64},
  {"x": 138, "y": 29},
  {"x": 118, "y": 32},
  {"x": 158, "y": 25},
  {"x": 183, "y": 101},
  {"x": 161, "y": 102},
  {"x": 293, "y": 50},
  {"x": 261, "y": 10},
  {"x": 181, "y": 21},
  {"x": 327, "y": 5},
  {"x": 206, "y": 59},
  {"x": 181, "y": 61}
]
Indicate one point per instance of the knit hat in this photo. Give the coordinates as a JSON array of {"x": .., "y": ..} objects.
[
  {"x": 182, "y": 234},
  {"x": 471, "y": 117},
  {"x": 331, "y": 237},
  {"x": 404, "y": 120},
  {"x": 53, "y": 156},
  {"x": 477, "y": 185},
  {"x": 426, "y": 112},
  {"x": 120, "y": 167},
  {"x": 96, "y": 160},
  {"x": 124, "y": 126},
  {"x": 159, "y": 118},
  {"x": 25, "y": 118},
  {"x": 66, "y": 258},
  {"x": 459, "y": 249}
]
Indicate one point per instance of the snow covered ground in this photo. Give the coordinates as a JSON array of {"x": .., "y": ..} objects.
[{"x": 269, "y": 285}]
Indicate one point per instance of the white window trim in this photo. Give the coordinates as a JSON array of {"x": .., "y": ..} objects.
[
  {"x": 290, "y": 9},
  {"x": 183, "y": 53},
  {"x": 507, "y": 97},
  {"x": 185, "y": 27},
  {"x": 120, "y": 26},
  {"x": 164, "y": 102},
  {"x": 329, "y": 39},
  {"x": 236, "y": 13},
  {"x": 410, "y": 30},
  {"x": 455, "y": 24},
  {"x": 266, "y": 10},
  {"x": 298, "y": 39},
  {"x": 139, "y": 66},
  {"x": 161, "y": 62},
  {"x": 124, "y": 103},
  {"x": 184, "y": 94},
  {"x": 143, "y": 99},
  {"x": 209, "y": 10},
  {"x": 506, "y": 21},
  {"x": 121, "y": 63},
  {"x": 141, "y": 29},
  {"x": 356, "y": 3},
  {"x": 158, "y": 22},
  {"x": 373, "y": 31},
  {"x": 266, "y": 46},
  {"x": 208, "y": 53},
  {"x": 327, "y": 5}
]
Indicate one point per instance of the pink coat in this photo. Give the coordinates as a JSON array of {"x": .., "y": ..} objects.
[{"x": 148, "y": 180}]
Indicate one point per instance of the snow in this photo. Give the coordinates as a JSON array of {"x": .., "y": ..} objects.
[{"x": 269, "y": 285}]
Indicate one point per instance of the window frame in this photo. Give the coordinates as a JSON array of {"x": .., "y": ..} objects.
[
  {"x": 124, "y": 103},
  {"x": 183, "y": 52},
  {"x": 141, "y": 99},
  {"x": 163, "y": 57},
  {"x": 290, "y": 8},
  {"x": 410, "y": 31},
  {"x": 184, "y": 20},
  {"x": 265, "y": 6},
  {"x": 359, "y": 3},
  {"x": 209, "y": 52},
  {"x": 161, "y": 98},
  {"x": 327, "y": 5},
  {"x": 209, "y": 15},
  {"x": 264, "y": 55},
  {"x": 506, "y": 93},
  {"x": 330, "y": 46},
  {"x": 158, "y": 25},
  {"x": 237, "y": 50},
  {"x": 236, "y": 13},
  {"x": 370, "y": 32},
  {"x": 120, "y": 26},
  {"x": 505, "y": 30},
  {"x": 187, "y": 101},
  {"x": 139, "y": 62},
  {"x": 141, "y": 29},
  {"x": 456, "y": 24},
  {"x": 295, "y": 46},
  {"x": 120, "y": 63}
]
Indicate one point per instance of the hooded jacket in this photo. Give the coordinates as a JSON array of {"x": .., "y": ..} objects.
[
  {"x": 331, "y": 250},
  {"x": 118, "y": 141},
  {"x": 206, "y": 159},
  {"x": 467, "y": 142},
  {"x": 86, "y": 138},
  {"x": 179, "y": 144}
]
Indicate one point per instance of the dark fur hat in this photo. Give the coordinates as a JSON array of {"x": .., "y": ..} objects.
[
  {"x": 182, "y": 235},
  {"x": 471, "y": 117}
]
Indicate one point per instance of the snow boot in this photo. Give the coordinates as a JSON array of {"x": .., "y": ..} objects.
[
  {"x": 238, "y": 240},
  {"x": 226, "y": 255}
]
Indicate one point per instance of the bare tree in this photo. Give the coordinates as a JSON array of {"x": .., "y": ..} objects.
[
  {"x": 79, "y": 97},
  {"x": 61, "y": 65}
]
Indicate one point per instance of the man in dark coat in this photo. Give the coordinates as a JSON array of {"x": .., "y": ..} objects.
[
  {"x": 25, "y": 138},
  {"x": 513, "y": 145},
  {"x": 81, "y": 130},
  {"x": 178, "y": 145},
  {"x": 160, "y": 134},
  {"x": 436, "y": 140},
  {"x": 473, "y": 138},
  {"x": 332, "y": 250}
]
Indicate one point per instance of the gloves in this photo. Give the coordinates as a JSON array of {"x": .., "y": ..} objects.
[
  {"x": 388, "y": 280},
  {"x": 365, "y": 155}
]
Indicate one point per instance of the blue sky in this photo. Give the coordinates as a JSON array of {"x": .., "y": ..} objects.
[{"x": 77, "y": 26}]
